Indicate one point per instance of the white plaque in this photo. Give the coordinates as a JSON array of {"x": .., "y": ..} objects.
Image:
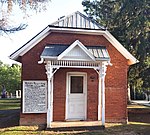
[{"x": 34, "y": 96}]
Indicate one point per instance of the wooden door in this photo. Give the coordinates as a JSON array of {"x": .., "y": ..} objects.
[{"x": 76, "y": 98}]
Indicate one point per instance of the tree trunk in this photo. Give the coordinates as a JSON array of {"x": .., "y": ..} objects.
[
  {"x": 129, "y": 94},
  {"x": 134, "y": 92}
]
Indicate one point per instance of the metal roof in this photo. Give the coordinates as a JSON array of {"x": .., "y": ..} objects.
[
  {"x": 77, "y": 20},
  {"x": 54, "y": 50},
  {"x": 99, "y": 51}
]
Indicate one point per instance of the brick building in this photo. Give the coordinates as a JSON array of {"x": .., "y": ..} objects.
[{"x": 74, "y": 69}]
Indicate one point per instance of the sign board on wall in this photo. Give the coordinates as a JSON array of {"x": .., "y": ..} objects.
[{"x": 34, "y": 96}]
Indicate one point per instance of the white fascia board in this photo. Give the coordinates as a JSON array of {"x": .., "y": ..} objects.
[
  {"x": 49, "y": 57},
  {"x": 77, "y": 31},
  {"x": 120, "y": 48},
  {"x": 47, "y": 30},
  {"x": 131, "y": 59},
  {"x": 76, "y": 43},
  {"x": 30, "y": 44},
  {"x": 102, "y": 59},
  {"x": 56, "y": 58}
]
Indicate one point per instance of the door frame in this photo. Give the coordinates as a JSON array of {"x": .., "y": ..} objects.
[{"x": 84, "y": 74}]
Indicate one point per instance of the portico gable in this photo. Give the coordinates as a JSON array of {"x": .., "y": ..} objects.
[{"x": 76, "y": 51}]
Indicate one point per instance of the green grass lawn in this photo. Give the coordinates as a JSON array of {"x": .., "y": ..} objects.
[
  {"x": 132, "y": 128},
  {"x": 8, "y": 104},
  {"x": 111, "y": 129}
]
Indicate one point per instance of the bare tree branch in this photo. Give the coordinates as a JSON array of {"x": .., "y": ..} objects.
[
  {"x": 26, "y": 7},
  {"x": 13, "y": 29}
]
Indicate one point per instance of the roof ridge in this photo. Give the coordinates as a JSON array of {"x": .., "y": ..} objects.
[
  {"x": 72, "y": 20},
  {"x": 91, "y": 19}
]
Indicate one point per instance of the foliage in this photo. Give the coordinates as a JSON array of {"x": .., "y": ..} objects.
[
  {"x": 10, "y": 77},
  {"x": 19, "y": 10},
  {"x": 129, "y": 22}
]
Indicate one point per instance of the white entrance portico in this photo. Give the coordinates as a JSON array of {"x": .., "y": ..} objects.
[{"x": 76, "y": 55}]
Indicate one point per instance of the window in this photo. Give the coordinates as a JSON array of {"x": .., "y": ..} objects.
[{"x": 76, "y": 85}]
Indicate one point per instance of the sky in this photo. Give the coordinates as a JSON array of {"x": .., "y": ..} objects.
[{"x": 57, "y": 8}]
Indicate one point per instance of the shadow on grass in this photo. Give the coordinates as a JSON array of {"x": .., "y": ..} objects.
[
  {"x": 128, "y": 129},
  {"x": 9, "y": 112},
  {"x": 9, "y": 118},
  {"x": 111, "y": 129}
]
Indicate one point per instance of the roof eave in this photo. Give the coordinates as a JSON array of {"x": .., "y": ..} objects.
[
  {"x": 132, "y": 62},
  {"x": 131, "y": 59},
  {"x": 56, "y": 58},
  {"x": 49, "y": 57},
  {"x": 102, "y": 59},
  {"x": 30, "y": 44}
]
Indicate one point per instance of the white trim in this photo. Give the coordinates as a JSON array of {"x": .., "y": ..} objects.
[
  {"x": 52, "y": 91},
  {"x": 84, "y": 74},
  {"x": 102, "y": 74},
  {"x": 49, "y": 72},
  {"x": 76, "y": 43},
  {"x": 49, "y": 102},
  {"x": 75, "y": 64},
  {"x": 30, "y": 44},
  {"x": 66, "y": 105},
  {"x": 106, "y": 34},
  {"x": 119, "y": 47},
  {"x": 99, "y": 96}
]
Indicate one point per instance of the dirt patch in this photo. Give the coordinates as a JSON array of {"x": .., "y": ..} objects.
[
  {"x": 139, "y": 117},
  {"x": 138, "y": 113}
]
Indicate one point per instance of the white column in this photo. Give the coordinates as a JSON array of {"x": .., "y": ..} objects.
[
  {"x": 51, "y": 101},
  {"x": 99, "y": 96},
  {"x": 102, "y": 76},
  {"x": 49, "y": 70}
]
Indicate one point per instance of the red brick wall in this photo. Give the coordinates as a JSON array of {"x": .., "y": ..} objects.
[
  {"x": 116, "y": 80},
  {"x": 32, "y": 119},
  {"x": 116, "y": 88}
]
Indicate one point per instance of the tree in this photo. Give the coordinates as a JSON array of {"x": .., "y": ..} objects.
[
  {"x": 129, "y": 22},
  {"x": 10, "y": 77},
  {"x": 24, "y": 7}
]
